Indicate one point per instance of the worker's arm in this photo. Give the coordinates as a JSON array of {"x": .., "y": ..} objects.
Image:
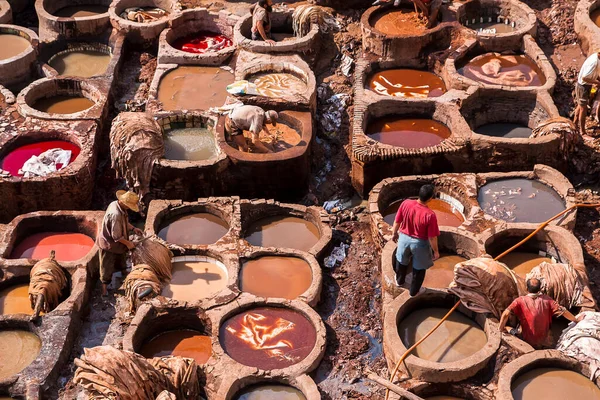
[
  {"x": 504, "y": 320},
  {"x": 568, "y": 315},
  {"x": 129, "y": 244},
  {"x": 434, "y": 245},
  {"x": 134, "y": 229},
  {"x": 259, "y": 146},
  {"x": 260, "y": 26},
  {"x": 395, "y": 229}
]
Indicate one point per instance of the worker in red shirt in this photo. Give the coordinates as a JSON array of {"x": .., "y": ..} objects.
[
  {"x": 534, "y": 312},
  {"x": 416, "y": 229}
]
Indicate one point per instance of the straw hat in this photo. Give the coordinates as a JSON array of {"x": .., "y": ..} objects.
[{"x": 130, "y": 199}]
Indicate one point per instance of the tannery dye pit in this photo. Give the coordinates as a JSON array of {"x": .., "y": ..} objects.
[
  {"x": 12, "y": 45},
  {"x": 63, "y": 104},
  {"x": 13, "y": 161},
  {"x": 520, "y": 200},
  {"x": 506, "y": 70},
  {"x": 190, "y": 144},
  {"x": 18, "y": 349},
  {"x": 67, "y": 245},
  {"x": 270, "y": 392},
  {"x": 457, "y": 338},
  {"x": 278, "y": 84},
  {"x": 553, "y": 384},
  {"x": 195, "y": 279},
  {"x": 271, "y": 276},
  {"x": 408, "y": 133},
  {"x": 80, "y": 63},
  {"x": 505, "y": 130},
  {"x": 407, "y": 83},
  {"x": 183, "y": 343},
  {"x": 15, "y": 300},
  {"x": 202, "y": 42},
  {"x": 521, "y": 263},
  {"x": 399, "y": 22},
  {"x": 79, "y": 11},
  {"x": 194, "y": 88},
  {"x": 193, "y": 229},
  {"x": 281, "y": 231},
  {"x": 268, "y": 337}
]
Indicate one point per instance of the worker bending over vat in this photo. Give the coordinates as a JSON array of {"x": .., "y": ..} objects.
[
  {"x": 416, "y": 229},
  {"x": 252, "y": 119}
]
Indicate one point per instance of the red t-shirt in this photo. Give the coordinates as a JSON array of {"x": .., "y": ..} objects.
[
  {"x": 417, "y": 220},
  {"x": 535, "y": 316}
]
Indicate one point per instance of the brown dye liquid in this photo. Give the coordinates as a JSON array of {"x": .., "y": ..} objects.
[
  {"x": 194, "y": 88},
  {"x": 192, "y": 229},
  {"x": 400, "y": 22},
  {"x": 407, "y": 83},
  {"x": 488, "y": 26},
  {"x": 445, "y": 213},
  {"x": 18, "y": 349},
  {"x": 12, "y": 45},
  {"x": 457, "y": 338},
  {"x": 268, "y": 337},
  {"x": 504, "y": 129},
  {"x": 182, "y": 343},
  {"x": 496, "y": 69},
  {"x": 521, "y": 263},
  {"x": 270, "y": 276},
  {"x": 190, "y": 144},
  {"x": 520, "y": 200},
  {"x": 442, "y": 273},
  {"x": 408, "y": 133},
  {"x": 595, "y": 16},
  {"x": 282, "y": 137},
  {"x": 553, "y": 384},
  {"x": 62, "y": 104},
  {"x": 83, "y": 10},
  {"x": 195, "y": 280},
  {"x": 278, "y": 84},
  {"x": 270, "y": 392},
  {"x": 15, "y": 300},
  {"x": 81, "y": 63},
  {"x": 280, "y": 231}
]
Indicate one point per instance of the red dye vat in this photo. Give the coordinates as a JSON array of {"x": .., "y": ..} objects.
[
  {"x": 14, "y": 160},
  {"x": 68, "y": 246},
  {"x": 203, "y": 42}
]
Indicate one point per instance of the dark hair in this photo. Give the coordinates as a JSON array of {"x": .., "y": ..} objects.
[
  {"x": 264, "y": 4},
  {"x": 426, "y": 192},
  {"x": 534, "y": 285}
]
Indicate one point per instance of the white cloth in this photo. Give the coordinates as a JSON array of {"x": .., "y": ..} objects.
[
  {"x": 46, "y": 163},
  {"x": 582, "y": 341},
  {"x": 589, "y": 69},
  {"x": 248, "y": 118}
]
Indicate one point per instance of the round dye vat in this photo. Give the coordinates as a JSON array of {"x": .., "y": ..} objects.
[
  {"x": 194, "y": 88},
  {"x": 553, "y": 384},
  {"x": 182, "y": 343},
  {"x": 595, "y": 16},
  {"x": 408, "y": 133},
  {"x": 14, "y": 160},
  {"x": 270, "y": 392},
  {"x": 271, "y": 276},
  {"x": 505, "y": 130},
  {"x": 190, "y": 144},
  {"x": 494, "y": 28},
  {"x": 202, "y": 42},
  {"x": 278, "y": 84},
  {"x": 194, "y": 229},
  {"x": 18, "y": 349},
  {"x": 193, "y": 280},
  {"x": 399, "y": 22},
  {"x": 268, "y": 337},
  {"x": 407, "y": 83},
  {"x": 446, "y": 214},
  {"x": 12, "y": 45},
  {"x": 442, "y": 273},
  {"x": 521, "y": 263},
  {"x": 282, "y": 231},
  {"x": 520, "y": 200},
  {"x": 82, "y": 10},
  {"x": 497, "y": 69},
  {"x": 282, "y": 137},
  {"x": 68, "y": 246},
  {"x": 457, "y": 338},
  {"x": 80, "y": 63},
  {"x": 15, "y": 300},
  {"x": 62, "y": 104}
]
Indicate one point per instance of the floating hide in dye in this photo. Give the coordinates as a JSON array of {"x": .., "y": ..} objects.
[{"x": 136, "y": 142}]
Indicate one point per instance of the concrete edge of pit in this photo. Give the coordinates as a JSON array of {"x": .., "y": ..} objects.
[
  {"x": 20, "y": 68},
  {"x": 536, "y": 359},
  {"x": 428, "y": 370},
  {"x": 192, "y": 21},
  {"x": 587, "y": 31},
  {"x": 6, "y": 15},
  {"x": 231, "y": 385},
  {"x": 52, "y": 27}
]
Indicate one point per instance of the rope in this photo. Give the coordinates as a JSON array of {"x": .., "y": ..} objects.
[{"x": 532, "y": 234}]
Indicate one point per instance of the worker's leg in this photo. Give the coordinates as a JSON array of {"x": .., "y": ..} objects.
[
  {"x": 107, "y": 267},
  {"x": 402, "y": 258},
  {"x": 240, "y": 142},
  {"x": 582, "y": 98},
  {"x": 422, "y": 7},
  {"x": 259, "y": 146},
  {"x": 417, "y": 281}
]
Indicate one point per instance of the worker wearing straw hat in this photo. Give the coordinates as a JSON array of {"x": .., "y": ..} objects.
[{"x": 113, "y": 238}]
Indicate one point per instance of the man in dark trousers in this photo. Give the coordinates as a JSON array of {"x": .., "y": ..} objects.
[
  {"x": 534, "y": 312},
  {"x": 416, "y": 229}
]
